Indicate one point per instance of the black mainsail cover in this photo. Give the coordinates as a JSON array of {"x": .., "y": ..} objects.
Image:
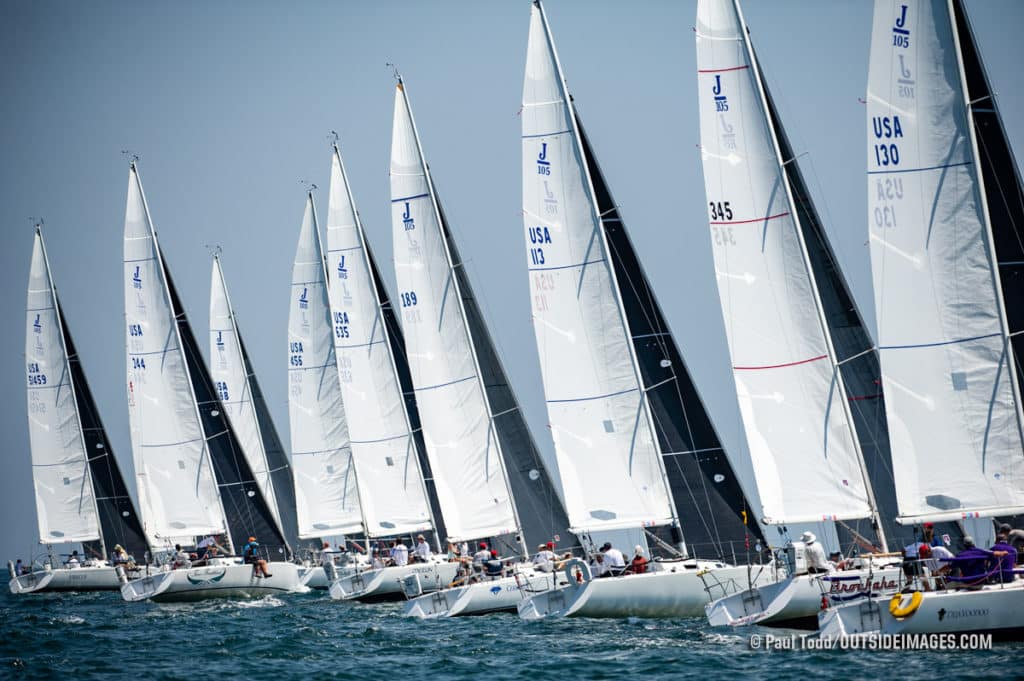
[
  {"x": 708, "y": 498},
  {"x": 245, "y": 508},
  {"x": 119, "y": 521}
]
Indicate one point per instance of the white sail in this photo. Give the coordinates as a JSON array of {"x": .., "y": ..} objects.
[
  {"x": 608, "y": 459},
  {"x": 231, "y": 381},
  {"x": 65, "y": 503},
  {"x": 953, "y": 417},
  {"x": 326, "y": 498},
  {"x": 806, "y": 461},
  {"x": 391, "y": 488},
  {"x": 178, "y": 494},
  {"x": 464, "y": 453}
]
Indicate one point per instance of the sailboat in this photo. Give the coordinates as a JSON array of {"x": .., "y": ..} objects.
[
  {"x": 326, "y": 494},
  {"x": 945, "y": 217},
  {"x": 803, "y": 363},
  {"x": 490, "y": 481},
  {"x": 80, "y": 494},
  {"x": 242, "y": 400},
  {"x": 385, "y": 445},
  {"x": 192, "y": 475},
  {"x": 622, "y": 407}
]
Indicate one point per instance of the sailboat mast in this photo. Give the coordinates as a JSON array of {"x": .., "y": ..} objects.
[
  {"x": 361, "y": 236},
  {"x": 615, "y": 282},
  {"x": 983, "y": 200},
  {"x": 181, "y": 349},
  {"x": 465, "y": 322},
  {"x": 818, "y": 307},
  {"x": 71, "y": 382}
]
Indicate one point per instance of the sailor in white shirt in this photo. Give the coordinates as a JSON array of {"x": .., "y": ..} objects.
[
  {"x": 422, "y": 549},
  {"x": 481, "y": 556},
  {"x": 399, "y": 553},
  {"x": 327, "y": 554},
  {"x": 613, "y": 559},
  {"x": 815, "y": 554},
  {"x": 544, "y": 560}
]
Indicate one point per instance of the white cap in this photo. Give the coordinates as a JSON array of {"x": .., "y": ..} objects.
[{"x": 808, "y": 537}]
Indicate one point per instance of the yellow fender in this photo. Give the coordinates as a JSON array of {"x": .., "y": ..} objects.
[{"x": 898, "y": 609}]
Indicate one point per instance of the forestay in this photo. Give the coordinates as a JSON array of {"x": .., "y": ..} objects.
[
  {"x": 178, "y": 494},
  {"x": 464, "y": 453},
  {"x": 391, "y": 485},
  {"x": 326, "y": 495},
  {"x": 953, "y": 415},
  {"x": 805, "y": 459},
  {"x": 607, "y": 455},
  {"x": 65, "y": 501},
  {"x": 230, "y": 374}
]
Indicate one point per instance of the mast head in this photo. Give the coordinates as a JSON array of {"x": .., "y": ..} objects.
[{"x": 395, "y": 73}]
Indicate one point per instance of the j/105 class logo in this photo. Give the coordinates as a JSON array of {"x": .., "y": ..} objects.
[
  {"x": 721, "y": 101},
  {"x": 407, "y": 219},
  {"x": 543, "y": 164},
  {"x": 342, "y": 272},
  {"x": 137, "y": 278},
  {"x": 303, "y": 300},
  {"x": 900, "y": 32}
]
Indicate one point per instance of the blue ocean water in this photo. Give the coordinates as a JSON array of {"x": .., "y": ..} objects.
[{"x": 99, "y": 636}]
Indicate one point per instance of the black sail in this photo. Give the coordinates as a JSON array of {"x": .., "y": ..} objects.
[
  {"x": 119, "y": 521},
  {"x": 277, "y": 457},
  {"x": 245, "y": 508},
  {"x": 540, "y": 509},
  {"x": 855, "y": 353},
  {"x": 708, "y": 498},
  {"x": 397, "y": 343}
]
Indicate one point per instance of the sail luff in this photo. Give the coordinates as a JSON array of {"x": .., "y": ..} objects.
[
  {"x": 989, "y": 237},
  {"x": 87, "y": 527}
]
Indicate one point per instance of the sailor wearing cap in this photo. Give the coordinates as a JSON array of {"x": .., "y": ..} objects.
[{"x": 421, "y": 552}]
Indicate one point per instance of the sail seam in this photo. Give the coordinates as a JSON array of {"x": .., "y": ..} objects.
[
  {"x": 933, "y": 345},
  {"x": 920, "y": 170},
  {"x": 596, "y": 397},
  {"x": 755, "y": 220},
  {"x": 566, "y": 267},
  {"x": 780, "y": 366}
]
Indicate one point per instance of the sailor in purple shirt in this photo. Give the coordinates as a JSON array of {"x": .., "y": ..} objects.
[
  {"x": 973, "y": 562},
  {"x": 1008, "y": 562}
]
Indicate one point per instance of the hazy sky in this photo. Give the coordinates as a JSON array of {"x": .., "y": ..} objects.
[{"x": 229, "y": 105}]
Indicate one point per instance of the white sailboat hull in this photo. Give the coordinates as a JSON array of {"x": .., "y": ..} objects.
[
  {"x": 496, "y": 595},
  {"x": 672, "y": 592},
  {"x": 212, "y": 581},
  {"x": 995, "y": 609},
  {"x": 795, "y": 601},
  {"x": 66, "y": 579},
  {"x": 385, "y": 584}
]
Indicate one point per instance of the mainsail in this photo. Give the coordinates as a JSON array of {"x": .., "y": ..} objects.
[
  {"x": 193, "y": 477},
  {"x": 566, "y": 201},
  {"x": 793, "y": 396},
  {"x": 480, "y": 449},
  {"x": 326, "y": 494},
  {"x": 65, "y": 502},
  {"x": 238, "y": 390},
  {"x": 384, "y": 449},
  {"x": 953, "y": 398},
  {"x": 177, "y": 490}
]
